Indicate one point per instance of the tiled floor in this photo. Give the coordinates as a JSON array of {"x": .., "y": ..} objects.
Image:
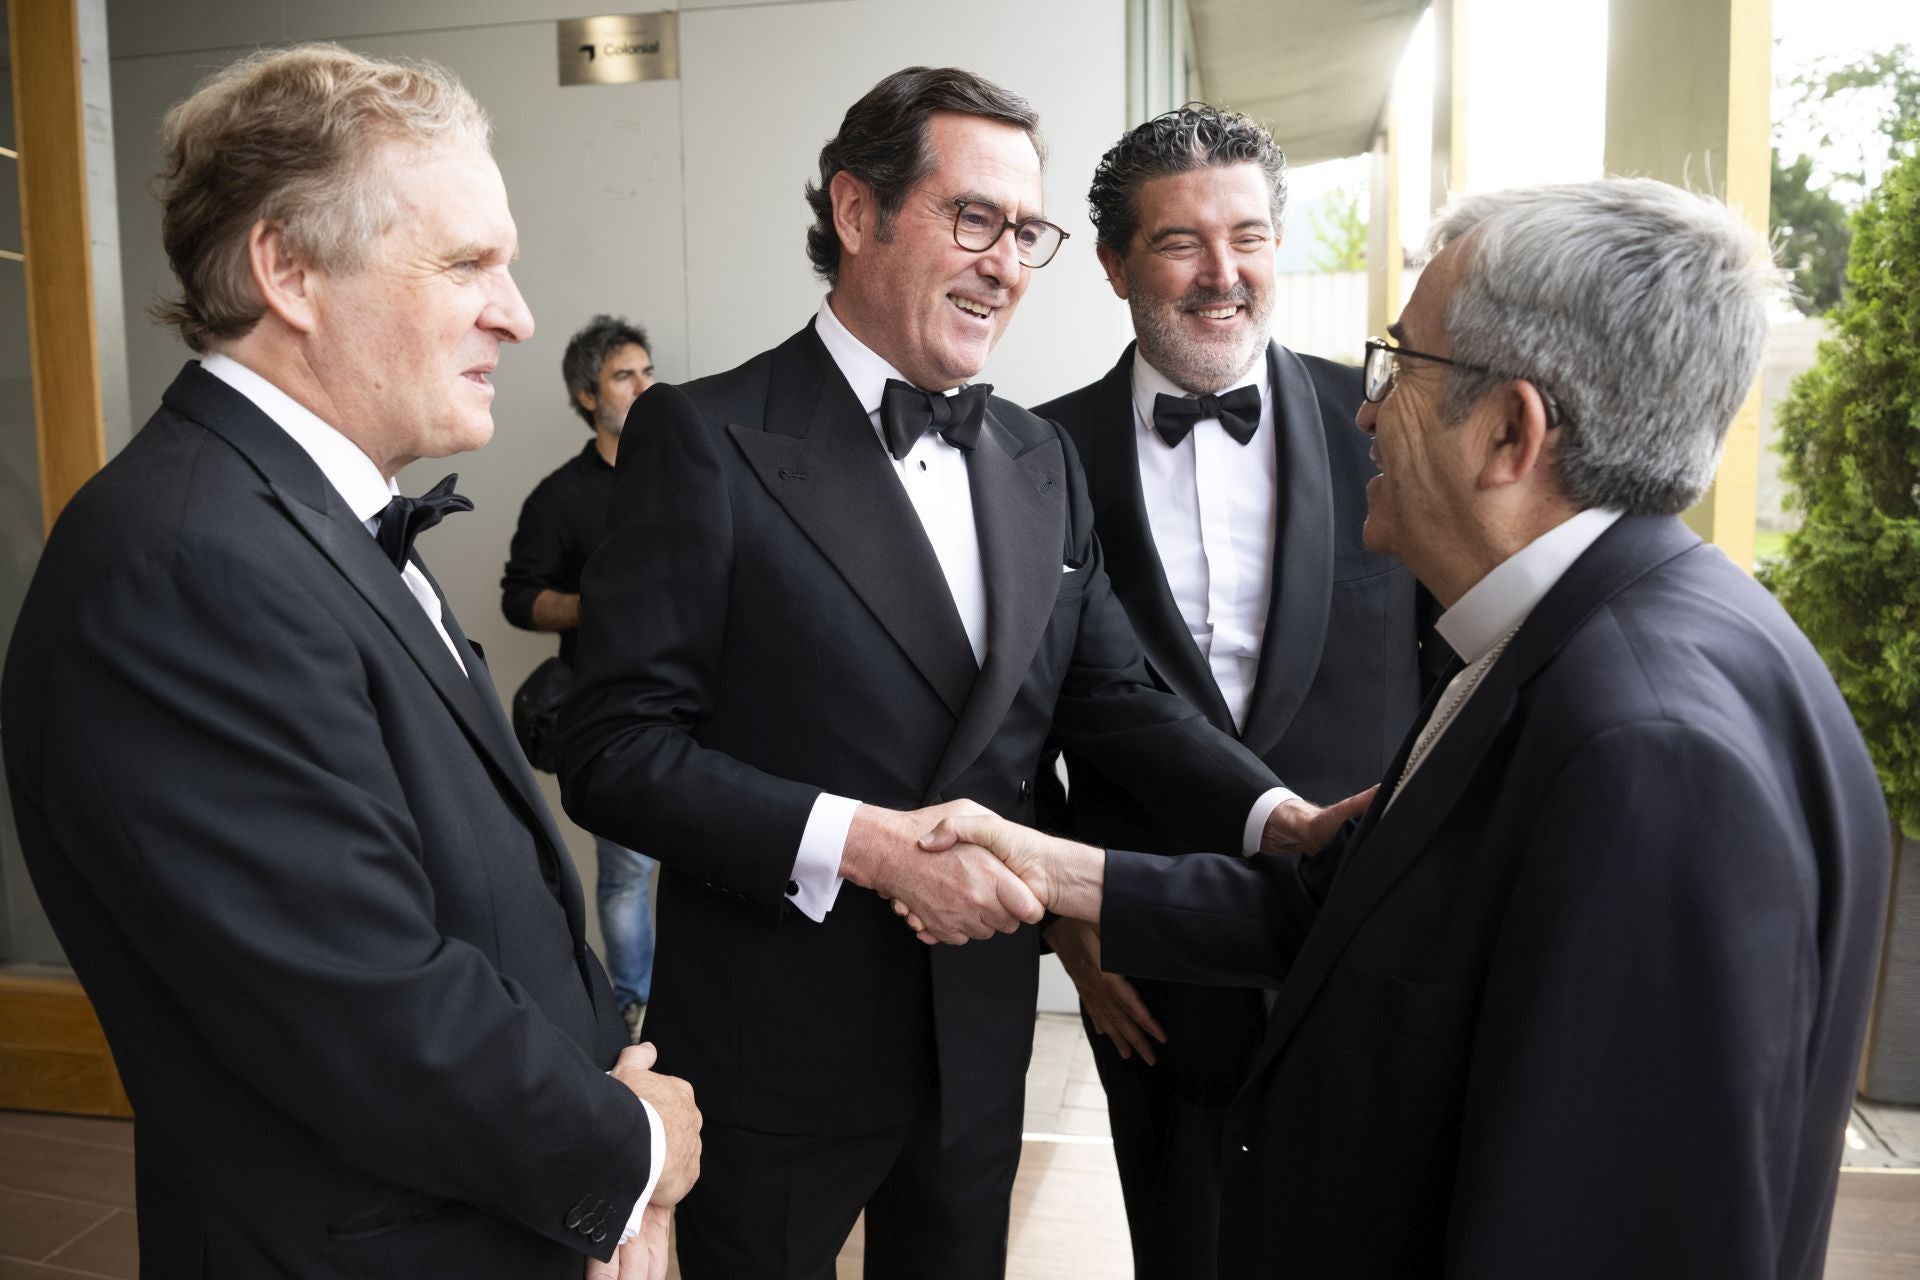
[{"x": 66, "y": 1188}]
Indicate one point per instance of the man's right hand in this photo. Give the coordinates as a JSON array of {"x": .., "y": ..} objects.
[
  {"x": 962, "y": 893},
  {"x": 672, "y": 1100},
  {"x": 1113, "y": 1006}
]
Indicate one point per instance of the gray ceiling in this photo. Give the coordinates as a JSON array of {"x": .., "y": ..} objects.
[{"x": 1315, "y": 71}]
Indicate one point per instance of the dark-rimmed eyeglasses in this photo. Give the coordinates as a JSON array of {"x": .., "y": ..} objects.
[
  {"x": 1381, "y": 373},
  {"x": 978, "y": 226}
]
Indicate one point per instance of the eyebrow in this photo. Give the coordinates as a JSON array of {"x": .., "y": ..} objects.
[
  {"x": 1257, "y": 224},
  {"x": 974, "y": 197}
]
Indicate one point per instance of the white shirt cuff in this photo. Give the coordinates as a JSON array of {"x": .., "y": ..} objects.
[
  {"x": 656, "y": 1161},
  {"x": 1257, "y": 820},
  {"x": 815, "y": 882}
]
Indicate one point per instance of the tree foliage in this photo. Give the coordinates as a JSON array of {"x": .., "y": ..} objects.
[
  {"x": 1339, "y": 233},
  {"x": 1850, "y": 433},
  {"x": 1810, "y": 234}
]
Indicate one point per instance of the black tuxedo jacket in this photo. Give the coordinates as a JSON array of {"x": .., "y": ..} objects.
[
  {"x": 307, "y": 879},
  {"x": 1340, "y": 673},
  {"x": 766, "y": 620},
  {"x": 1597, "y": 980}
]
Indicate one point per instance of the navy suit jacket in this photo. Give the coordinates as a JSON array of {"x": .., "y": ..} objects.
[{"x": 1588, "y": 998}]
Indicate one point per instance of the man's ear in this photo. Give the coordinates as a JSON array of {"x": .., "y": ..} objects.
[
  {"x": 1115, "y": 265},
  {"x": 1519, "y": 441},
  {"x": 286, "y": 285},
  {"x": 855, "y": 213},
  {"x": 587, "y": 400}
]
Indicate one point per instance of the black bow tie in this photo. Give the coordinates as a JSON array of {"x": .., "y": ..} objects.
[
  {"x": 405, "y": 519},
  {"x": 907, "y": 413},
  {"x": 1238, "y": 411}
]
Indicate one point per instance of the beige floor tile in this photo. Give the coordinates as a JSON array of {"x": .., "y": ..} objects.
[
  {"x": 33, "y": 1226},
  {"x": 110, "y": 1249}
]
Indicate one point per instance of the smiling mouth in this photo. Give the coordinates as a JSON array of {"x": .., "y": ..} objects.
[
  {"x": 481, "y": 377},
  {"x": 1217, "y": 313},
  {"x": 978, "y": 310}
]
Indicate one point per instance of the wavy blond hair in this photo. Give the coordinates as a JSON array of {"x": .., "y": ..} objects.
[{"x": 290, "y": 137}]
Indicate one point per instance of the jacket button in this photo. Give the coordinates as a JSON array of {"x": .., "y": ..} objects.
[
  {"x": 573, "y": 1217},
  {"x": 1025, "y": 788},
  {"x": 793, "y": 887},
  {"x": 599, "y": 1235}
]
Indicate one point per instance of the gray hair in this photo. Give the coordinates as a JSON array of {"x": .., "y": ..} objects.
[
  {"x": 290, "y": 137},
  {"x": 1639, "y": 307}
]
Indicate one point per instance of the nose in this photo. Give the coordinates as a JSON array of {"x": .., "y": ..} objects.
[
  {"x": 1001, "y": 263},
  {"x": 1367, "y": 416},
  {"x": 507, "y": 314},
  {"x": 1218, "y": 271}
]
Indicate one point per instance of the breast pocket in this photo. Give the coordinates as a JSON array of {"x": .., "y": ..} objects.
[{"x": 1435, "y": 1011}]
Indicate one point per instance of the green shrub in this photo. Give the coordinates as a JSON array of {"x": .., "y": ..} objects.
[{"x": 1850, "y": 432}]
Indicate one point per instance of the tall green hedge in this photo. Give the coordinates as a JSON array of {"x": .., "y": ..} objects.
[{"x": 1850, "y": 431}]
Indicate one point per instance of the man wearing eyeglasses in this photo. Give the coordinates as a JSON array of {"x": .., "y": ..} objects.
[
  {"x": 843, "y": 593},
  {"x": 1583, "y": 993},
  {"x": 1229, "y": 488}
]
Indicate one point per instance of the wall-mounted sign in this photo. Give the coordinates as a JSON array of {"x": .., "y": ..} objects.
[{"x": 620, "y": 48}]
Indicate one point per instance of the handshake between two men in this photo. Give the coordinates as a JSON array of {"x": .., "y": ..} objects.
[{"x": 977, "y": 874}]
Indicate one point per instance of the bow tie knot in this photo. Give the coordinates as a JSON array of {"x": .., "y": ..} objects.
[
  {"x": 907, "y": 413},
  {"x": 1238, "y": 411},
  {"x": 405, "y": 519}
]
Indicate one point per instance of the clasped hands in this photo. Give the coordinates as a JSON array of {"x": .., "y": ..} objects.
[
  {"x": 644, "y": 1257},
  {"x": 1036, "y": 872}
]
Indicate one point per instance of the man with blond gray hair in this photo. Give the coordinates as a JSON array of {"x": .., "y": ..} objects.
[
  {"x": 1584, "y": 992},
  {"x": 262, "y": 781}
]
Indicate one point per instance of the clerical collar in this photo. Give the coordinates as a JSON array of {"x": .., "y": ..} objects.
[{"x": 1500, "y": 602}]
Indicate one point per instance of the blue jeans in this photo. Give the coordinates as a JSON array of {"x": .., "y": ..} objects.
[{"x": 624, "y": 920}]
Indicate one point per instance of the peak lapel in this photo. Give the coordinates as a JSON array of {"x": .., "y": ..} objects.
[
  {"x": 1020, "y": 513},
  {"x": 1302, "y": 557},
  {"x": 1388, "y": 840},
  {"x": 1133, "y": 559},
  {"x": 819, "y": 458}
]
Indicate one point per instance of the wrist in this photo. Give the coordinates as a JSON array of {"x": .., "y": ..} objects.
[{"x": 862, "y": 856}]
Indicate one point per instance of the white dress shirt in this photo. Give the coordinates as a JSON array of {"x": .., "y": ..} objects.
[
  {"x": 1481, "y": 622},
  {"x": 1212, "y": 503},
  {"x": 366, "y": 492},
  {"x": 346, "y": 467},
  {"x": 934, "y": 475}
]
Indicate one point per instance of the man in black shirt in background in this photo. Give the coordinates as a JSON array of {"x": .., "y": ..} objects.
[{"x": 607, "y": 365}]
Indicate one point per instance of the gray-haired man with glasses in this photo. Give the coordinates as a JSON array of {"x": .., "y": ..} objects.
[{"x": 846, "y": 591}]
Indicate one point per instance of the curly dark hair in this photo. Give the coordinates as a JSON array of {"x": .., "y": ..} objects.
[
  {"x": 883, "y": 142},
  {"x": 1178, "y": 141},
  {"x": 588, "y": 349}
]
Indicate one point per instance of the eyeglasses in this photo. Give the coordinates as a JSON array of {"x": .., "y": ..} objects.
[
  {"x": 978, "y": 226},
  {"x": 1381, "y": 373}
]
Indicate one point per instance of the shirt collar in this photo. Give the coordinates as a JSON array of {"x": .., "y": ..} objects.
[
  {"x": 1498, "y": 603},
  {"x": 865, "y": 371},
  {"x": 1149, "y": 382},
  {"x": 347, "y": 468}
]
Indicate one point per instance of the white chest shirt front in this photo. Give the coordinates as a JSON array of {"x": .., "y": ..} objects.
[
  {"x": 346, "y": 467},
  {"x": 1211, "y": 505}
]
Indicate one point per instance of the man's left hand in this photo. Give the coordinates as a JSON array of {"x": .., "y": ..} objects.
[{"x": 1295, "y": 826}]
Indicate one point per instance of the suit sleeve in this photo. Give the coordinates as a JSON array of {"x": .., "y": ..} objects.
[
  {"x": 1210, "y": 919},
  {"x": 221, "y": 782},
  {"x": 630, "y": 766},
  {"x": 1644, "y": 1022},
  {"x": 1199, "y": 781}
]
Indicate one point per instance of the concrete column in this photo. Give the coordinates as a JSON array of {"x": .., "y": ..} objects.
[
  {"x": 1687, "y": 102},
  {"x": 1383, "y": 229},
  {"x": 1450, "y": 83}
]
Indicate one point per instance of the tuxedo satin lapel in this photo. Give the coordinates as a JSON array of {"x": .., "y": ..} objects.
[
  {"x": 1296, "y": 628},
  {"x": 822, "y": 462},
  {"x": 1020, "y": 514},
  {"x": 1389, "y": 839},
  {"x": 504, "y": 749},
  {"x": 1133, "y": 560}
]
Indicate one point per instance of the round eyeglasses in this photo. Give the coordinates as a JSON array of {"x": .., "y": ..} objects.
[{"x": 978, "y": 226}]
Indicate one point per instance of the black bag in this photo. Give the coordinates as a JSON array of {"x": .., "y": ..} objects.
[{"x": 536, "y": 712}]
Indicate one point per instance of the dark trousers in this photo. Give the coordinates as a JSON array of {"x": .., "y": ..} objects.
[
  {"x": 1168, "y": 1151},
  {"x": 781, "y": 1205}
]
